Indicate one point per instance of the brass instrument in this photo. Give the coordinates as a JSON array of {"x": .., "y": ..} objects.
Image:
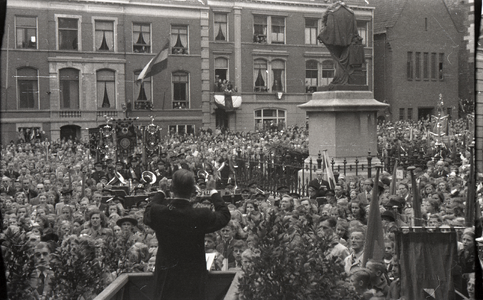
[
  {"x": 118, "y": 176},
  {"x": 148, "y": 177}
]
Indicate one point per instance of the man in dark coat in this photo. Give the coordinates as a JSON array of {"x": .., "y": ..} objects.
[{"x": 180, "y": 271}]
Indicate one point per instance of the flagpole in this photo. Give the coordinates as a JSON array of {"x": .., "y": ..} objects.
[
  {"x": 417, "y": 215},
  {"x": 374, "y": 242}
]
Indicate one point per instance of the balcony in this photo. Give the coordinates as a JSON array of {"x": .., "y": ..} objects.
[{"x": 85, "y": 115}]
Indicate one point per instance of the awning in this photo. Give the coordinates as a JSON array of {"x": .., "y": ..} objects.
[{"x": 224, "y": 102}]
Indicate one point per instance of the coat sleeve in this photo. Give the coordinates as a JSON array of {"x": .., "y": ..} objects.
[
  {"x": 220, "y": 217},
  {"x": 151, "y": 209}
]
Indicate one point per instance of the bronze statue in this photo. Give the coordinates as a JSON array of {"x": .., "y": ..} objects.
[{"x": 339, "y": 34}]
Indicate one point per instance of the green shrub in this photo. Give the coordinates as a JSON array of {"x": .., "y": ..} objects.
[{"x": 293, "y": 264}]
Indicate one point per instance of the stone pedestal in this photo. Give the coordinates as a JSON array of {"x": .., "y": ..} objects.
[{"x": 344, "y": 123}]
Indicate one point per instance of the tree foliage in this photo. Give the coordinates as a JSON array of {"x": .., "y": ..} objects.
[{"x": 293, "y": 264}]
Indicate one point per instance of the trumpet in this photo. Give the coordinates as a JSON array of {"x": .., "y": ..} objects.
[
  {"x": 148, "y": 177},
  {"x": 260, "y": 191}
]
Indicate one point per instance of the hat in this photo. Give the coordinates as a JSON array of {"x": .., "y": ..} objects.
[
  {"x": 119, "y": 163},
  {"x": 108, "y": 161},
  {"x": 261, "y": 195},
  {"x": 245, "y": 190},
  {"x": 252, "y": 184},
  {"x": 294, "y": 195},
  {"x": 133, "y": 221},
  {"x": 388, "y": 215},
  {"x": 396, "y": 201},
  {"x": 98, "y": 164},
  {"x": 282, "y": 188},
  {"x": 329, "y": 193}
]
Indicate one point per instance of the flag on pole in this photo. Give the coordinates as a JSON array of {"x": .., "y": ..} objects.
[
  {"x": 328, "y": 170},
  {"x": 470, "y": 197},
  {"x": 374, "y": 244},
  {"x": 156, "y": 64}
]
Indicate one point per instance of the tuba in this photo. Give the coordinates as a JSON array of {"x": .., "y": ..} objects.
[{"x": 148, "y": 177}]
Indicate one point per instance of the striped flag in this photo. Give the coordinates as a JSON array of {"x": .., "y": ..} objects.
[{"x": 156, "y": 64}]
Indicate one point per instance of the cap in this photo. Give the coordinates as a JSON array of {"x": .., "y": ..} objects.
[
  {"x": 116, "y": 198},
  {"x": 119, "y": 163},
  {"x": 98, "y": 164},
  {"x": 252, "y": 184},
  {"x": 294, "y": 195},
  {"x": 282, "y": 188},
  {"x": 330, "y": 193}
]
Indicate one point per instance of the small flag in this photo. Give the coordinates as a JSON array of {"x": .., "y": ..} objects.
[
  {"x": 156, "y": 64},
  {"x": 393, "y": 187}
]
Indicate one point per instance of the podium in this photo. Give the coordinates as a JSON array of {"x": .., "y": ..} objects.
[{"x": 139, "y": 286}]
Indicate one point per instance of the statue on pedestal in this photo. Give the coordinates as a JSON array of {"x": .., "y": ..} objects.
[{"x": 339, "y": 34}]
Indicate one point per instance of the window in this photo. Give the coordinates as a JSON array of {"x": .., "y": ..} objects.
[
  {"x": 29, "y": 133},
  {"x": 69, "y": 88},
  {"x": 440, "y": 67},
  {"x": 141, "y": 38},
  {"x": 26, "y": 32},
  {"x": 106, "y": 89},
  {"x": 270, "y": 119},
  {"x": 180, "y": 90},
  {"x": 269, "y": 76},
  {"x": 311, "y": 76},
  {"x": 28, "y": 88},
  {"x": 278, "y": 30},
  {"x": 221, "y": 72},
  {"x": 448, "y": 112},
  {"x": 362, "y": 29},
  {"x": 417, "y": 66},
  {"x": 409, "y": 66},
  {"x": 260, "y": 72},
  {"x": 311, "y": 31},
  {"x": 68, "y": 34},
  {"x": 425, "y": 65},
  {"x": 410, "y": 113},
  {"x": 142, "y": 93},
  {"x": 401, "y": 114},
  {"x": 179, "y": 39},
  {"x": 278, "y": 76},
  {"x": 220, "y": 29},
  {"x": 328, "y": 71},
  {"x": 276, "y": 26},
  {"x": 433, "y": 66},
  {"x": 260, "y": 29},
  {"x": 426, "y": 24},
  {"x": 182, "y": 129},
  {"x": 104, "y": 35}
]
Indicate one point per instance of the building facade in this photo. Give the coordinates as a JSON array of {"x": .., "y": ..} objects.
[
  {"x": 416, "y": 58},
  {"x": 69, "y": 65}
]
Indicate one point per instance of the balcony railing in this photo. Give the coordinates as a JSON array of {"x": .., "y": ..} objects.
[{"x": 85, "y": 114}]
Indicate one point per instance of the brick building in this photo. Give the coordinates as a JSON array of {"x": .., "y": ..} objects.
[
  {"x": 67, "y": 64},
  {"x": 416, "y": 46}
]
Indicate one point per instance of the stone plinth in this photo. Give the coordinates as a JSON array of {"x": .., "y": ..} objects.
[{"x": 344, "y": 123}]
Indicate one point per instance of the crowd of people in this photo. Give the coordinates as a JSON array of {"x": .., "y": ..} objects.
[{"x": 56, "y": 193}]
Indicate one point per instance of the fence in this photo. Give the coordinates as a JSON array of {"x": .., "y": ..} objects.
[{"x": 270, "y": 171}]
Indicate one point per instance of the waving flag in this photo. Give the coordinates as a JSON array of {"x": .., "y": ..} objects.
[
  {"x": 328, "y": 170},
  {"x": 156, "y": 64}
]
